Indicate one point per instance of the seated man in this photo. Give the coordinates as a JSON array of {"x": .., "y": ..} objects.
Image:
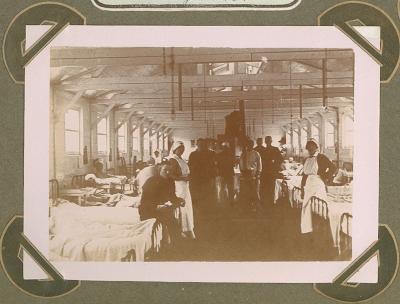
[
  {"x": 158, "y": 200},
  {"x": 143, "y": 175}
]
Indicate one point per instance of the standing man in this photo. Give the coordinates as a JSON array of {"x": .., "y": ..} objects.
[
  {"x": 202, "y": 172},
  {"x": 225, "y": 171},
  {"x": 261, "y": 150},
  {"x": 212, "y": 152},
  {"x": 259, "y": 147},
  {"x": 250, "y": 168},
  {"x": 272, "y": 161}
]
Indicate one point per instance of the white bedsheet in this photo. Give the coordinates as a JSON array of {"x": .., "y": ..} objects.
[
  {"x": 115, "y": 179},
  {"x": 99, "y": 214},
  {"x": 99, "y": 233},
  {"x": 103, "y": 242}
]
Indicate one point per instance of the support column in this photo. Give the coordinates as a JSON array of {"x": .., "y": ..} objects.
[
  {"x": 309, "y": 129},
  {"x": 242, "y": 112},
  {"x": 141, "y": 141},
  {"x": 93, "y": 137},
  {"x": 151, "y": 134},
  {"x": 339, "y": 132},
  {"x": 129, "y": 144},
  {"x": 291, "y": 140},
  {"x": 170, "y": 140},
  {"x": 324, "y": 82},
  {"x": 301, "y": 100},
  {"x": 322, "y": 133},
  {"x": 113, "y": 141}
]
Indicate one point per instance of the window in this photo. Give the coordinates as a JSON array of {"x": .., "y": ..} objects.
[
  {"x": 165, "y": 142},
  {"x": 146, "y": 146},
  {"x": 122, "y": 138},
  {"x": 295, "y": 139},
  {"x": 329, "y": 135},
  {"x": 153, "y": 142},
  {"x": 135, "y": 140},
  {"x": 102, "y": 136},
  {"x": 303, "y": 134},
  {"x": 288, "y": 138},
  {"x": 348, "y": 128},
  {"x": 72, "y": 131}
]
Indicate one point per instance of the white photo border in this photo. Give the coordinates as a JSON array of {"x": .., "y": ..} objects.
[{"x": 366, "y": 152}]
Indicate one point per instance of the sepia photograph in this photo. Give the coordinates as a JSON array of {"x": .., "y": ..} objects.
[
  {"x": 222, "y": 159},
  {"x": 201, "y": 154}
]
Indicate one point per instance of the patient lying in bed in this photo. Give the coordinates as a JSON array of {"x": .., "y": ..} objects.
[
  {"x": 102, "y": 178},
  {"x": 290, "y": 168}
]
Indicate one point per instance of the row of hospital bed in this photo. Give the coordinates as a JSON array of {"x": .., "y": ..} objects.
[
  {"x": 331, "y": 217},
  {"x": 82, "y": 229}
]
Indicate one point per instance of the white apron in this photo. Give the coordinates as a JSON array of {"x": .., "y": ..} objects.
[
  {"x": 182, "y": 191},
  {"x": 314, "y": 187}
]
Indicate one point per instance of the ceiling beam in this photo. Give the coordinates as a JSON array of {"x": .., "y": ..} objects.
[
  {"x": 139, "y": 122},
  {"x": 84, "y": 52},
  {"x": 210, "y": 78},
  {"x": 83, "y": 72},
  {"x": 104, "y": 114},
  {"x": 307, "y": 93},
  {"x": 69, "y": 105},
  {"x": 112, "y": 58},
  {"x": 239, "y": 80},
  {"x": 126, "y": 119}
]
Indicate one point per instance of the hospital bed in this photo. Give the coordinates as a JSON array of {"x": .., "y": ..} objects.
[{"x": 99, "y": 233}]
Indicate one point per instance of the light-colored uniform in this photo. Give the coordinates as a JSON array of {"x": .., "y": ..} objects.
[
  {"x": 314, "y": 187},
  {"x": 182, "y": 191}
]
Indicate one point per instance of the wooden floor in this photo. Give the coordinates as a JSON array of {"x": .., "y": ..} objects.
[{"x": 234, "y": 233}]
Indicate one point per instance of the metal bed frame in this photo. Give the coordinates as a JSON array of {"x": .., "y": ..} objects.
[
  {"x": 296, "y": 193},
  {"x": 345, "y": 237}
]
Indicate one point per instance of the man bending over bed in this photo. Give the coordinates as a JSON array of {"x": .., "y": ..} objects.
[{"x": 159, "y": 201}]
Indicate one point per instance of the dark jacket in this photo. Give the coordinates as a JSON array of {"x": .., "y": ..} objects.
[
  {"x": 225, "y": 163},
  {"x": 202, "y": 165},
  {"x": 272, "y": 160},
  {"x": 156, "y": 191},
  {"x": 326, "y": 170}
]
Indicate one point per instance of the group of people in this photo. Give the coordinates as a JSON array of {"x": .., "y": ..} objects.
[{"x": 179, "y": 185}]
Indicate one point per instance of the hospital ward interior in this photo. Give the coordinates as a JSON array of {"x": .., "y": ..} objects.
[{"x": 200, "y": 154}]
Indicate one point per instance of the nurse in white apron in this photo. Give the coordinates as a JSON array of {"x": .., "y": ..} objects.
[
  {"x": 317, "y": 169},
  {"x": 180, "y": 173}
]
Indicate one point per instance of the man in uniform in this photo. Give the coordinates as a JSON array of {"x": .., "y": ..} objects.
[{"x": 272, "y": 160}]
